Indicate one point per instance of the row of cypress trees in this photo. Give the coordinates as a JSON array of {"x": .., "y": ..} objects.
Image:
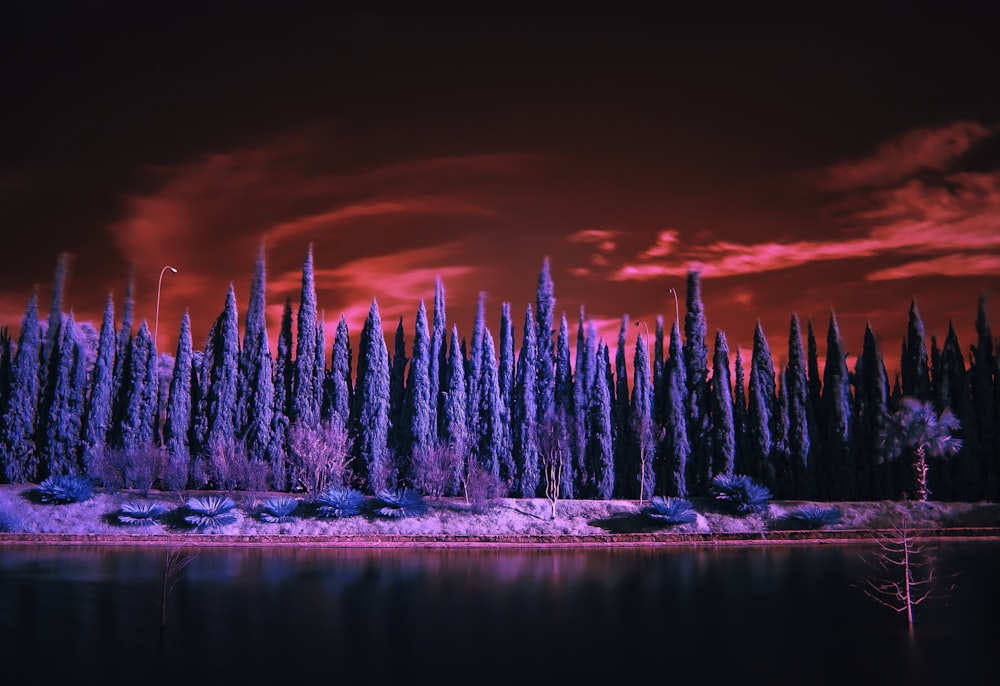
[{"x": 67, "y": 404}]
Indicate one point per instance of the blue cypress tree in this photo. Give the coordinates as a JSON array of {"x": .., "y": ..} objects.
[
  {"x": 801, "y": 423},
  {"x": 838, "y": 463},
  {"x": 138, "y": 431},
  {"x": 97, "y": 414},
  {"x": 340, "y": 387},
  {"x": 505, "y": 380},
  {"x": 305, "y": 408},
  {"x": 696, "y": 368},
  {"x": 420, "y": 419},
  {"x": 50, "y": 343},
  {"x": 20, "y": 459},
  {"x": 545, "y": 304},
  {"x": 488, "y": 439},
  {"x": 624, "y": 440},
  {"x": 438, "y": 355},
  {"x": 61, "y": 447},
  {"x": 399, "y": 434},
  {"x": 641, "y": 416},
  {"x": 814, "y": 383},
  {"x": 371, "y": 405},
  {"x": 761, "y": 408},
  {"x": 120, "y": 380},
  {"x": 473, "y": 361},
  {"x": 177, "y": 426},
  {"x": 600, "y": 443},
  {"x": 255, "y": 420},
  {"x": 525, "y": 413},
  {"x": 659, "y": 376},
  {"x": 913, "y": 368},
  {"x": 723, "y": 429},
  {"x": 784, "y": 475},
  {"x": 565, "y": 410},
  {"x": 740, "y": 420},
  {"x": 319, "y": 370},
  {"x": 676, "y": 448},
  {"x": 284, "y": 376},
  {"x": 224, "y": 372},
  {"x": 6, "y": 372},
  {"x": 455, "y": 420},
  {"x": 582, "y": 385}
]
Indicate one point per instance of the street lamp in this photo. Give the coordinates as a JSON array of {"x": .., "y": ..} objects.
[
  {"x": 677, "y": 310},
  {"x": 159, "y": 285}
]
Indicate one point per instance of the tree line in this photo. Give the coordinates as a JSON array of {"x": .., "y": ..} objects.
[{"x": 440, "y": 411}]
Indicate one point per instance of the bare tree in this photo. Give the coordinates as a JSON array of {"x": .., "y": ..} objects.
[
  {"x": 319, "y": 456},
  {"x": 436, "y": 468},
  {"x": 174, "y": 563},
  {"x": 904, "y": 571},
  {"x": 551, "y": 447}
]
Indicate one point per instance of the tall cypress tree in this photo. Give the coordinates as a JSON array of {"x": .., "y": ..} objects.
[
  {"x": 564, "y": 406},
  {"x": 177, "y": 426},
  {"x": 914, "y": 371},
  {"x": 97, "y": 413},
  {"x": 676, "y": 447},
  {"x": 761, "y": 401},
  {"x": 659, "y": 376},
  {"x": 6, "y": 372},
  {"x": 122, "y": 346},
  {"x": 545, "y": 304},
  {"x": 422, "y": 431},
  {"x": 305, "y": 409},
  {"x": 801, "y": 423},
  {"x": 20, "y": 459},
  {"x": 696, "y": 368},
  {"x": 723, "y": 431},
  {"x": 224, "y": 370},
  {"x": 641, "y": 416},
  {"x": 814, "y": 381},
  {"x": 339, "y": 380},
  {"x": 505, "y": 378},
  {"x": 474, "y": 359},
  {"x": 623, "y": 435},
  {"x": 61, "y": 447},
  {"x": 455, "y": 422},
  {"x": 284, "y": 376},
  {"x": 138, "y": 433},
  {"x": 50, "y": 342},
  {"x": 981, "y": 386},
  {"x": 838, "y": 465},
  {"x": 255, "y": 420},
  {"x": 399, "y": 435},
  {"x": 582, "y": 384},
  {"x": 371, "y": 405},
  {"x": 741, "y": 423},
  {"x": 438, "y": 355},
  {"x": 600, "y": 444},
  {"x": 488, "y": 441},
  {"x": 871, "y": 406},
  {"x": 525, "y": 412}
]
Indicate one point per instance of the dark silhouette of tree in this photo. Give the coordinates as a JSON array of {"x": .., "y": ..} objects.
[
  {"x": 723, "y": 430},
  {"x": 761, "y": 408},
  {"x": 583, "y": 381},
  {"x": 659, "y": 376},
  {"x": 399, "y": 434},
  {"x": 838, "y": 460},
  {"x": 696, "y": 369},
  {"x": 641, "y": 416},
  {"x": 371, "y": 405},
  {"x": 814, "y": 382},
  {"x": 623, "y": 440},
  {"x": 122, "y": 346},
  {"x": 505, "y": 381},
  {"x": 985, "y": 432},
  {"x": 600, "y": 443},
  {"x": 284, "y": 377},
  {"x": 676, "y": 447},
  {"x": 455, "y": 421},
  {"x": 801, "y": 423},
  {"x": 913, "y": 368},
  {"x": 20, "y": 460},
  {"x": 525, "y": 414},
  {"x": 50, "y": 341},
  {"x": 740, "y": 419},
  {"x": 305, "y": 409},
  {"x": 177, "y": 426},
  {"x": 871, "y": 399},
  {"x": 917, "y": 432},
  {"x": 438, "y": 368},
  {"x": 97, "y": 412},
  {"x": 255, "y": 420}
]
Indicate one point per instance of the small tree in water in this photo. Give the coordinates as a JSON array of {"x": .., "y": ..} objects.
[{"x": 916, "y": 431}]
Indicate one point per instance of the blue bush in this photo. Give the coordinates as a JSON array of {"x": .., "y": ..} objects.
[
  {"x": 141, "y": 512},
  {"x": 279, "y": 510},
  {"x": 740, "y": 493},
  {"x": 66, "y": 488},
  {"x": 339, "y": 502},
  {"x": 210, "y": 512},
  {"x": 815, "y": 516},
  {"x": 404, "y": 502},
  {"x": 670, "y": 510}
]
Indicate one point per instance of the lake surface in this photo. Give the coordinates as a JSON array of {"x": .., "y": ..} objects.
[{"x": 787, "y": 614}]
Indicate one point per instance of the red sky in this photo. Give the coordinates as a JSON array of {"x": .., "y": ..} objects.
[{"x": 845, "y": 164}]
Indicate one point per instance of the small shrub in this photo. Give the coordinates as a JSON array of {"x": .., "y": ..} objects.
[
  {"x": 670, "y": 510},
  {"x": 141, "y": 512},
  {"x": 278, "y": 510},
  {"x": 740, "y": 493},
  {"x": 9, "y": 523},
  {"x": 336, "y": 502},
  {"x": 481, "y": 487},
  {"x": 815, "y": 516},
  {"x": 405, "y": 502},
  {"x": 210, "y": 512},
  {"x": 66, "y": 488}
]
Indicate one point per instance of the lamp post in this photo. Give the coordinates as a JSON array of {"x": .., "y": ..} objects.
[
  {"x": 677, "y": 310},
  {"x": 159, "y": 285}
]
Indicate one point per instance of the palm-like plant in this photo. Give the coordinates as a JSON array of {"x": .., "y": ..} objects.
[
  {"x": 815, "y": 516},
  {"x": 66, "y": 488},
  {"x": 740, "y": 493},
  {"x": 670, "y": 510},
  {"x": 405, "y": 502},
  {"x": 337, "y": 502},
  {"x": 210, "y": 512},
  {"x": 915, "y": 430},
  {"x": 141, "y": 512},
  {"x": 278, "y": 510}
]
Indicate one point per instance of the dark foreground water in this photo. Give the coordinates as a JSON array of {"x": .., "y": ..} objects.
[{"x": 357, "y": 616}]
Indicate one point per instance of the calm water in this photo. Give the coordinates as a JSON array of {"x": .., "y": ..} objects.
[{"x": 239, "y": 616}]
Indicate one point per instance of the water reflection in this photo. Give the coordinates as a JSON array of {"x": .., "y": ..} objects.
[{"x": 461, "y": 616}]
